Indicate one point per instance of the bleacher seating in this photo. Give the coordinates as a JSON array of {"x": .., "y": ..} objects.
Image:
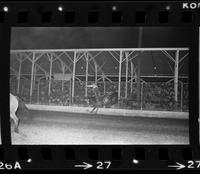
[{"x": 155, "y": 96}]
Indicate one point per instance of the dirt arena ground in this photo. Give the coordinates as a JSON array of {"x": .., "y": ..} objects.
[{"x": 48, "y": 127}]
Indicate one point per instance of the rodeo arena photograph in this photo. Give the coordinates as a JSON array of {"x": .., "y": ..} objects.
[{"x": 99, "y": 86}]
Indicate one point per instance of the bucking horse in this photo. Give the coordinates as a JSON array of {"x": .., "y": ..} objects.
[{"x": 98, "y": 100}]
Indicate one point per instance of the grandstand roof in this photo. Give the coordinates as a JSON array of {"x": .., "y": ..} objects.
[{"x": 104, "y": 37}]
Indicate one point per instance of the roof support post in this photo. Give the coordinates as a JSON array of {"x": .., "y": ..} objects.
[
  {"x": 126, "y": 85},
  {"x": 73, "y": 76},
  {"x": 176, "y": 78},
  {"x": 86, "y": 74},
  {"x": 120, "y": 69},
  {"x": 139, "y": 66},
  {"x": 19, "y": 74},
  {"x": 32, "y": 70},
  {"x": 50, "y": 73}
]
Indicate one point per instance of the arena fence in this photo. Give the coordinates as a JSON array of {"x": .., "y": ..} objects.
[{"x": 154, "y": 95}]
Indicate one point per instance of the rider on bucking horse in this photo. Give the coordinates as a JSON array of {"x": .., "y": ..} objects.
[{"x": 105, "y": 100}]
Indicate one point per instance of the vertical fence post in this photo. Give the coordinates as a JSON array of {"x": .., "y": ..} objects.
[
  {"x": 22, "y": 90},
  {"x": 63, "y": 74},
  {"x": 34, "y": 77},
  {"x": 141, "y": 105},
  {"x": 70, "y": 91},
  {"x": 38, "y": 91},
  {"x": 181, "y": 97},
  {"x": 104, "y": 85},
  {"x": 96, "y": 72},
  {"x": 131, "y": 77}
]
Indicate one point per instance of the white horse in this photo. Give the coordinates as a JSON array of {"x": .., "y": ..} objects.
[
  {"x": 14, "y": 105},
  {"x": 13, "y": 109}
]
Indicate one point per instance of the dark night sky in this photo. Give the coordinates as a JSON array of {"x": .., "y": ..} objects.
[
  {"x": 103, "y": 37},
  {"x": 80, "y": 37},
  {"x": 97, "y": 37}
]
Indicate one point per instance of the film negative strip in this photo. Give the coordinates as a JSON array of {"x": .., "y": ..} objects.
[{"x": 100, "y": 85}]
